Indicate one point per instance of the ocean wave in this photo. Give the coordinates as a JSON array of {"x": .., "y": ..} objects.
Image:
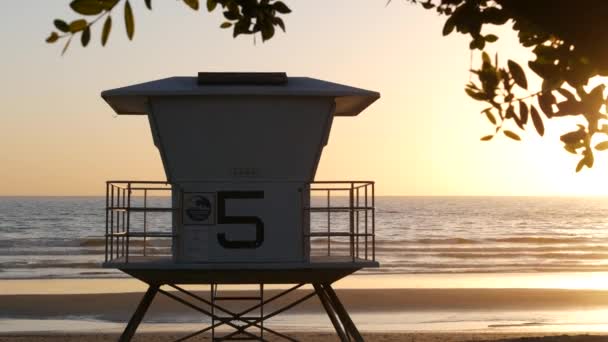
[
  {"x": 139, "y": 242},
  {"x": 544, "y": 239},
  {"x": 49, "y": 264},
  {"x": 446, "y": 241},
  {"x": 389, "y": 248},
  {"x": 567, "y": 256}
]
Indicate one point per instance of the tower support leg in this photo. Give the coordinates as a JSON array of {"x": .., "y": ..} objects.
[
  {"x": 323, "y": 298},
  {"x": 347, "y": 322},
  {"x": 139, "y": 313}
]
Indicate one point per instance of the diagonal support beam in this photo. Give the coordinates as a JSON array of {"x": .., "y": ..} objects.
[
  {"x": 323, "y": 297},
  {"x": 139, "y": 313},
  {"x": 350, "y": 326}
]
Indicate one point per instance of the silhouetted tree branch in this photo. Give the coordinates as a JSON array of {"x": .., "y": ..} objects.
[
  {"x": 243, "y": 16},
  {"x": 568, "y": 39}
]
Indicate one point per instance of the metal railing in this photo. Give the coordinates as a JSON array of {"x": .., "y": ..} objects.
[
  {"x": 355, "y": 199},
  {"x": 123, "y": 199},
  {"x": 344, "y": 222}
]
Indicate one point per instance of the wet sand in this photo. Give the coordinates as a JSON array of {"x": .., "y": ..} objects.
[{"x": 118, "y": 306}]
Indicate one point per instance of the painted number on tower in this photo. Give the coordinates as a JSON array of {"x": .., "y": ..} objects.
[{"x": 222, "y": 218}]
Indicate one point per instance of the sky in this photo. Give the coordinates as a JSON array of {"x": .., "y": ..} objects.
[{"x": 58, "y": 137}]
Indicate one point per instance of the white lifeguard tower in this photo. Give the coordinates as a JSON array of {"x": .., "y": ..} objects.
[{"x": 240, "y": 152}]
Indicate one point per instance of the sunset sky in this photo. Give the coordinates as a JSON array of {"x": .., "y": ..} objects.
[{"x": 58, "y": 137}]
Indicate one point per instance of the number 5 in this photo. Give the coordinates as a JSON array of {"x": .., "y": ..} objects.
[{"x": 222, "y": 196}]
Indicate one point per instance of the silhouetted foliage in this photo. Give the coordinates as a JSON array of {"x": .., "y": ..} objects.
[
  {"x": 568, "y": 39},
  {"x": 243, "y": 16}
]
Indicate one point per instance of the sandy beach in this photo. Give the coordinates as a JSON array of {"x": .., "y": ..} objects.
[
  {"x": 97, "y": 310},
  {"x": 324, "y": 337}
]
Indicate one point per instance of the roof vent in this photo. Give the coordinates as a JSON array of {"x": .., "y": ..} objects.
[{"x": 242, "y": 78}]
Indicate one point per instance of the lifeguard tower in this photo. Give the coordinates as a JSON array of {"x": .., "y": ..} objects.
[{"x": 240, "y": 152}]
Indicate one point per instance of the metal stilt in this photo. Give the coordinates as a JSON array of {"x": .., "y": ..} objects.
[
  {"x": 139, "y": 313},
  {"x": 323, "y": 297},
  {"x": 351, "y": 328}
]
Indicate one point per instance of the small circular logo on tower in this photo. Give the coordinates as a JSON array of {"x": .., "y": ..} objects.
[{"x": 200, "y": 208}]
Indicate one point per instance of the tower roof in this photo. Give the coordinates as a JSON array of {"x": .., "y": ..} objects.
[{"x": 350, "y": 101}]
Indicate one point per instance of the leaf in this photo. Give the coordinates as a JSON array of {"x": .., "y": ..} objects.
[
  {"x": 149, "y": 4},
  {"x": 511, "y": 135},
  {"x": 486, "y": 58},
  {"x": 479, "y": 96},
  {"x": 602, "y": 146},
  {"x": 595, "y": 99},
  {"x": 52, "y": 38},
  {"x": 129, "y": 20},
  {"x": 449, "y": 26},
  {"x": 477, "y": 43},
  {"x": 87, "y": 7},
  {"x": 225, "y": 24},
  {"x": 490, "y": 117},
  {"x": 192, "y": 4},
  {"x": 211, "y": 4},
  {"x": 240, "y": 27},
  {"x": 428, "y": 5},
  {"x": 281, "y": 7},
  {"x": 78, "y": 25},
  {"x": 570, "y": 148},
  {"x": 580, "y": 164},
  {"x": 546, "y": 101},
  {"x": 267, "y": 32},
  {"x": 537, "y": 120},
  {"x": 569, "y": 108},
  {"x": 487, "y": 138},
  {"x": 523, "y": 112},
  {"x": 518, "y": 74},
  {"x": 279, "y": 21},
  {"x": 490, "y": 38},
  {"x": 573, "y": 137},
  {"x": 231, "y": 15},
  {"x": 61, "y": 25},
  {"x": 85, "y": 36},
  {"x": 510, "y": 112},
  {"x": 105, "y": 32}
]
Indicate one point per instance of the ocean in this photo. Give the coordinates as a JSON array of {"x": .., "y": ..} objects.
[{"x": 62, "y": 237}]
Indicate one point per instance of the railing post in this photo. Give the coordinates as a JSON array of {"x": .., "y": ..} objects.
[
  {"x": 352, "y": 220},
  {"x": 145, "y": 220},
  {"x": 366, "y": 210},
  {"x": 328, "y": 223},
  {"x": 107, "y": 211},
  {"x": 357, "y": 223},
  {"x": 112, "y": 221},
  {"x": 128, "y": 208},
  {"x": 120, "y": 238},
  {"x": 373, "y": 221}
]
